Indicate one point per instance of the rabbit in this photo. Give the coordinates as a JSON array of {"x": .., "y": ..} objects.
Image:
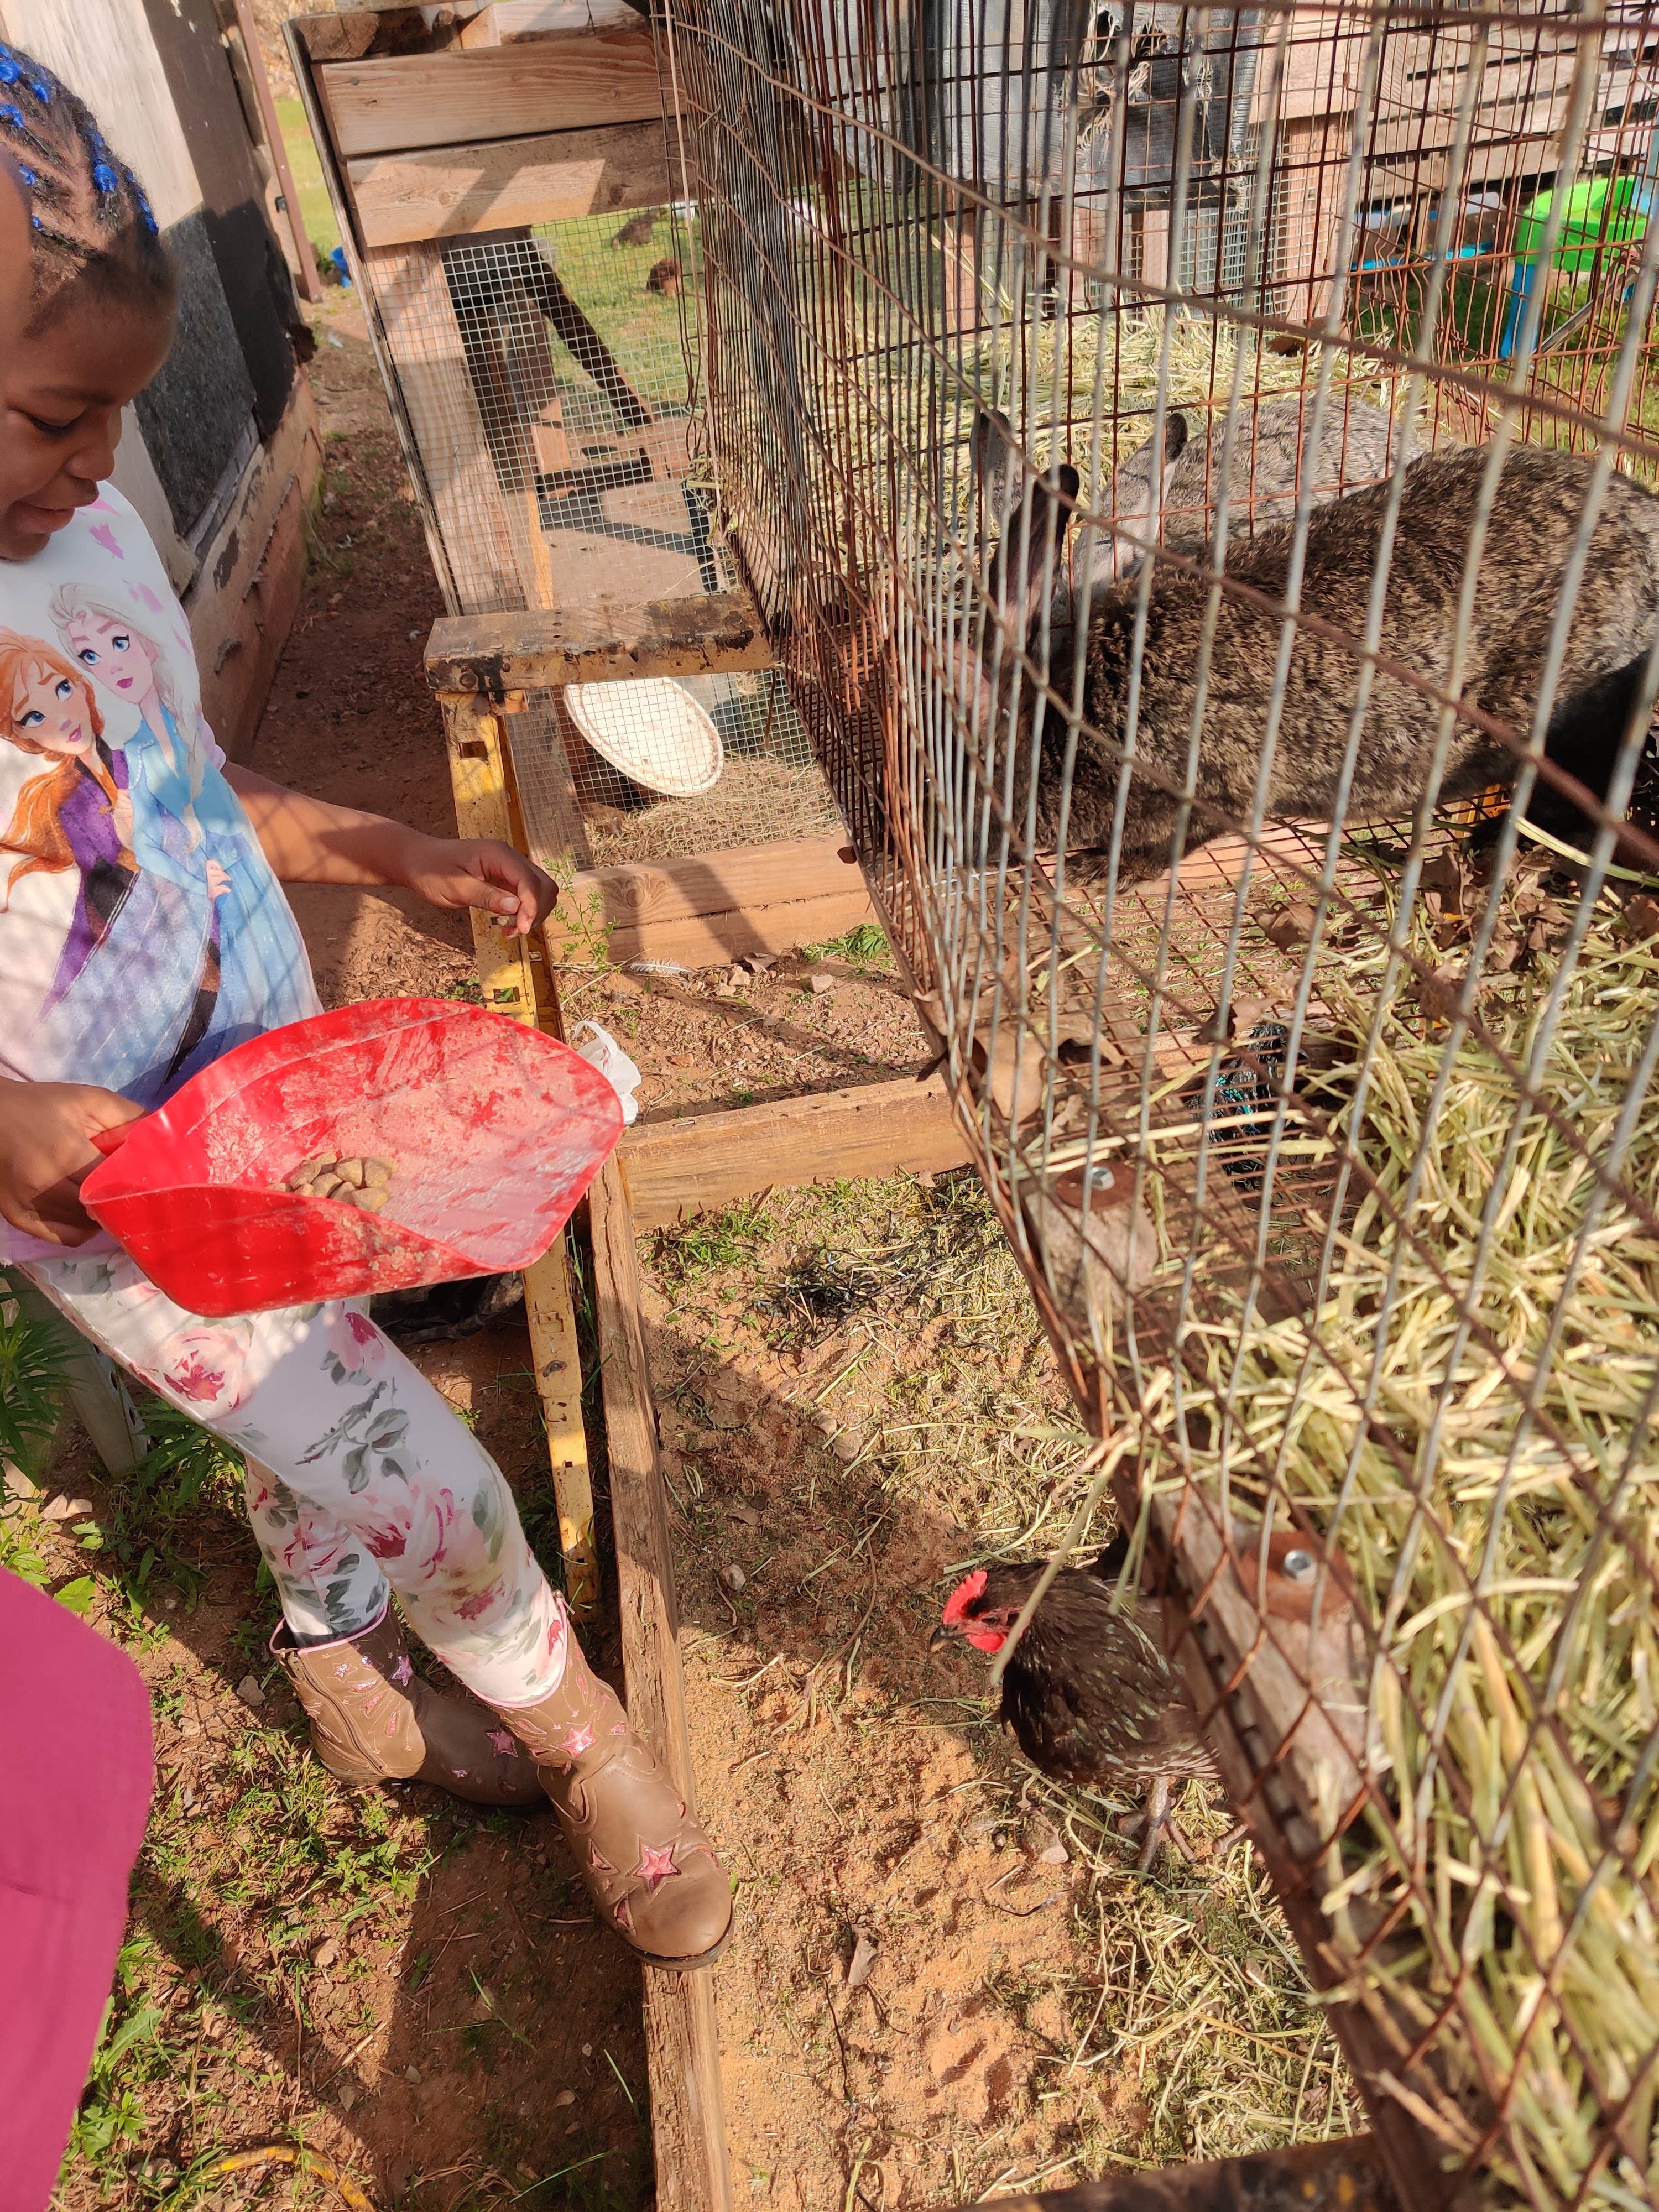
[
  {"x": 1534, "y": 520},
  {"x": 1355, "y": 448}
]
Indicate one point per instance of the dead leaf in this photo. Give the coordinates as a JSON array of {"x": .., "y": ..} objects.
[
  {"x": 1439, "y": 993},
  {"x": 1291, "y": 925},
  {"x": 1012, "y": 1071},
  {"x": 864, "y": 1958},
  {"x": 1640, "y": 918}
]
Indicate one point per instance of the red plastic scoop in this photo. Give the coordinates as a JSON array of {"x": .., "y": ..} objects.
[{"x": 495, "y": 1131}]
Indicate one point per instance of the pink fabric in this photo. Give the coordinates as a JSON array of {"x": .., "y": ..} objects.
[{"x": 76, "y": 1774}]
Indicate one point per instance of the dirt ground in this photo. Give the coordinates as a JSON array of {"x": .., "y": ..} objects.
[{"x": 856, "y": 1402}]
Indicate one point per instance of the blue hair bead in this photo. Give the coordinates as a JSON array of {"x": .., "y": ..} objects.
[
  {"x": 41, "y": 90},
  {"x": 9, "y": 72},
  {"x": 103, "y": 177},
  {"x": 36, "y": 221},
  {"x": 28, "y": 176},
  {"x": 9, "y": 113}
]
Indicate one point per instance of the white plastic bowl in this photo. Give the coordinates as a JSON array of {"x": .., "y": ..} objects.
[{"x": 653, "y": 730}]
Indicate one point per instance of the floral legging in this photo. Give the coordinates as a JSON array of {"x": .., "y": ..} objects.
[{"x": 359, "y": 1474}]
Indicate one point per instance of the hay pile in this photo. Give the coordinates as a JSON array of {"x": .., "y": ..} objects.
[{"x": 1498, "y": 1305}]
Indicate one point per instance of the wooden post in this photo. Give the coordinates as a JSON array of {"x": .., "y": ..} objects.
[
  {"x": 513, "y": 977},
  {"x": 310, "y": 282},
  {"x": 687, "y": 2121}
]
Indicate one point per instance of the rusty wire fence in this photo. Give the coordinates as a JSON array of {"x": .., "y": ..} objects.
[{"x": 1195, "y": 463}]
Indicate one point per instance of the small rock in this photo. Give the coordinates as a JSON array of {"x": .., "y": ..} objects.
[
  {"x": 588, "y": 2051},
  {"x": 681, "y": 1060},
  {"x": 863, "y": 1960},
  {"x": 847, "y": 1445},
  {"x": 66, "y": 1509},
  {"x": 737, "y": 975},
  {"x": 1055, "y": 1854},
  {"x": 170, "y": 1605},
  {"x": 249, "y": 1692},
  {"x": 412, "y": 2074},
  {"x": 732, "y": 1577},
  {"x": 325, "y": 1954},
  {"x": 189, "y": 1727},
  {"x": 817, "y": 985},
  {"x": 347, "y": 2097},
  {"x": 564, "y": 2097}
]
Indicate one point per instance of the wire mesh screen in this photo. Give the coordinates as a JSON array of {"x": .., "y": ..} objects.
[
  {"x": 1198, "y": 464},
  {"x": 546, "y": 373}
]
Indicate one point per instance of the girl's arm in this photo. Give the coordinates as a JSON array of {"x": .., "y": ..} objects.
[{"x": 307, "y": 841}]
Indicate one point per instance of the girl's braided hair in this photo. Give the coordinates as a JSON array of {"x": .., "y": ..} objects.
[{"x": 91, "y": 220}]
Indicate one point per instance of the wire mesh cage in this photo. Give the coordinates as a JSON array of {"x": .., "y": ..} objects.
[
  {"x": 1198, "y": 464},
  {"x": 547, "y": 373}
]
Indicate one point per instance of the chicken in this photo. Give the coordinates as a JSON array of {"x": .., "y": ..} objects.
[
  {"x": 1088, "y": 1693},
  {"x": 637, "y": 230}
]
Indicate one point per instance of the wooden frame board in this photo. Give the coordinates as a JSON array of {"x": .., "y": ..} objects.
[
  {"x": 705, "y": 1161},
  {"x": 513, "y": 978},
  {"x": 454, "y": 192},
  {"x": 710, "y": 633},
  {"x": 390, "y": 102},
  {"x": 717, "y": 906}
]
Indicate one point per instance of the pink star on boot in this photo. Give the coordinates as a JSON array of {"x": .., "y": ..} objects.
[
  {"x": 655, "y": 1867},
  {"x": 506, "y": 1743},
  {"x": 403, "y": 1672}
]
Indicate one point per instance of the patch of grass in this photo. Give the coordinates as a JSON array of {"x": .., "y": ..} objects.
[
  {"x": 863, "y": 946},
  {"x": 316, "y": 209},
  {"x": 708, "y": 1242}
]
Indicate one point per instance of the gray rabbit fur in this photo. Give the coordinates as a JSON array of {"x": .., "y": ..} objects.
[
  {"x": 1177, "y": 504},
  {"x": 1540, "y": 500}
]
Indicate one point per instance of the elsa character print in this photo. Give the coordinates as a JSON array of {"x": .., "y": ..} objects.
[{"x": 187, "y": 826}]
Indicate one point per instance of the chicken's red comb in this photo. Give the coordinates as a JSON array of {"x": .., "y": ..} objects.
[{"x": 957, "y": 1604}]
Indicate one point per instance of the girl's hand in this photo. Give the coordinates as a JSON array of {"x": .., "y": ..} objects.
[
  {"x": 46, "y": 1148},
  {"x": 218, "y": 881},
  {"x": 120, "y": 815},
  {"x": 456, "y": 872}
]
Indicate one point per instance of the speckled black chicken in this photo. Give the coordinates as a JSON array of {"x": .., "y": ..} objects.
[{"x": 1088, "y": 1693}]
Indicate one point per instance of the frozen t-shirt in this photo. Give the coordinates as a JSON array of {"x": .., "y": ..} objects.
[{"x": 142, "y": 932}]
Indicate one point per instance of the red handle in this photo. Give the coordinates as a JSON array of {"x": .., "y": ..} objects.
[{"x": 110, "y": 1140}]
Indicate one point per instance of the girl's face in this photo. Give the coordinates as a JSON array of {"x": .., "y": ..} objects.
[
  {"x": 50, "y": 710},
  {"x": 62, "y": 390},
  {"x": 119, "y": 658}
]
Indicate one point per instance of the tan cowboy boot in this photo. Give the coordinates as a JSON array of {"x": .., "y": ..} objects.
[
  {"x": 649, "y": 1867},
  {"x": 372, "y": 1719}
]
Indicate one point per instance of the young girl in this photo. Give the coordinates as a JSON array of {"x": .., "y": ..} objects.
[{"x": 361, "y": 1481}]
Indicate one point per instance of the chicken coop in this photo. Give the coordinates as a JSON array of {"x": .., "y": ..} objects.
[{"x": 1168, "y": 493}]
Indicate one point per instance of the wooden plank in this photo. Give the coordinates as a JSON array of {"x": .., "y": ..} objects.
[
  {"x": 507, "y": 976},
  {"x": 505, "y": 21},
  {"x": 451, "y": 191},
  {"x": 311, "y": 285},
  {"x": 688, "y": 2122},
  {"x": 706, "y": 1161},
  {"x": 572, "y": 81},
  {"x": 716, "y": 634},
  {"x": 711, "y": 940},
  {"x": 350, "y": 33},
  {"x": 715, "y": 907}
]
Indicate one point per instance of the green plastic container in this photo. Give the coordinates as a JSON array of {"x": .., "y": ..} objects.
[{"x": 1601, "y": 211}]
